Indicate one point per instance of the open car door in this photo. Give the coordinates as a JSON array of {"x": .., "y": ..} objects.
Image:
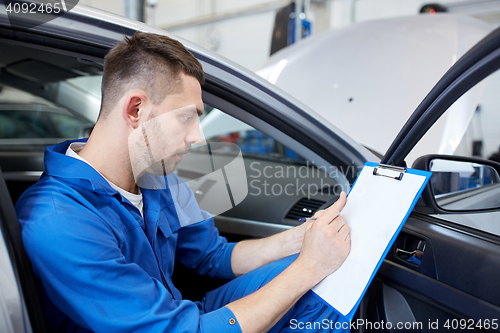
[{"x": 442, "y": 273}]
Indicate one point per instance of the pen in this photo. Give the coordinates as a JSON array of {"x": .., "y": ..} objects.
[{"x": 303, "y": 219}]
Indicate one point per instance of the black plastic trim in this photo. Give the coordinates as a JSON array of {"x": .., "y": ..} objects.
[
  {"x": 75, "y": 35},
  {"x": 462, "y": 229},
  {"x": 439, "y": 292},
  {"x": 57, "y": 43},
  {"x": 20, "y": 262}
]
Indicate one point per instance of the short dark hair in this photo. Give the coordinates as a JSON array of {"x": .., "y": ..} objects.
[{"x": 147, "y": 61}]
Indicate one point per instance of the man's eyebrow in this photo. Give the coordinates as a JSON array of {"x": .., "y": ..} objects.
[{"x": 200, "y": 112}]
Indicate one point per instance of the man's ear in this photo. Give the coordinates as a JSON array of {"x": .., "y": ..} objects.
[{"x": 132, "y": 112}]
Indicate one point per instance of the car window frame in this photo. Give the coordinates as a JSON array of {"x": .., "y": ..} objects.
[{"x": 478, "y": 63}]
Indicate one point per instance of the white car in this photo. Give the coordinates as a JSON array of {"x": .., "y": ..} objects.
[{"x": 368, "y": 78}]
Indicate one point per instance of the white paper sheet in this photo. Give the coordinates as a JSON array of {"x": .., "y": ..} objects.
[{"x": 375, "y": 208}]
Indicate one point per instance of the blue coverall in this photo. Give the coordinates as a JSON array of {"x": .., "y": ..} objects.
[{"x": 104, "y": 268}]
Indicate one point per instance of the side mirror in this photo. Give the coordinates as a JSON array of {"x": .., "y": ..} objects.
[{"x": 460, "y": 184}]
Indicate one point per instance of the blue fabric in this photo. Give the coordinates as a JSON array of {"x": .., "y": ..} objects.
[
  {"x": 309, "y": 314},
  {"x": 97, "y": 258},
  {"x": 99, "y": 261}
]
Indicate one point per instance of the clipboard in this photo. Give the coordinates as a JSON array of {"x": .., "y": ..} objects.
[{"x": 378, "y": 204}]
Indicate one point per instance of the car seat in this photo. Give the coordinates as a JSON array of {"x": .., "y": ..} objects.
[{"x": 20, "y": 262}]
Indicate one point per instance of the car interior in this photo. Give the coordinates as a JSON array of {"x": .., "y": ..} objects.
[{"x": 47, "y": 97}]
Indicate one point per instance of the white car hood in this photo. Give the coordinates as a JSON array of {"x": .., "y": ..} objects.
[{"x": 368, "y": 78}]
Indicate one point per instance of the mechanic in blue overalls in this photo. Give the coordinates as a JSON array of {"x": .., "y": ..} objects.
[{"x": 108, "y": 218}]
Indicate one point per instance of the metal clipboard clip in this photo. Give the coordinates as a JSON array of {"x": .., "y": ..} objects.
[{"x": 389, "y": 171}]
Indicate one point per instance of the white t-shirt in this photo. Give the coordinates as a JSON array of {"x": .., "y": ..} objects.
[{"x": 135, "y": 199}]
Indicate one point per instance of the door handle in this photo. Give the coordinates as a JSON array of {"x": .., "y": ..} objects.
[
  {"x": 414, "y": 256},
  {"x": 420, "y": 248}
]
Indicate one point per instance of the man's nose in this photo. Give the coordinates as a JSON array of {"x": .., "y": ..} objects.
[{"x": 194, "y": 134}]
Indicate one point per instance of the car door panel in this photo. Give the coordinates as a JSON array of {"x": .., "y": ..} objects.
[
  {"x": 456, "y": 279},
  {"x": 405, "y": 244}
]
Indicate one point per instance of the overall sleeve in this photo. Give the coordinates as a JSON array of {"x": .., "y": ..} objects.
[
  {"x": 85, "y": 275},
  {"x": 199, "y": 246}
]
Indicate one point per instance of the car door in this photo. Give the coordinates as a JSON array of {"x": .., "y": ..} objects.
[
  {"x": 454, "y": 286},
  {"x": 447, "y": 285}
]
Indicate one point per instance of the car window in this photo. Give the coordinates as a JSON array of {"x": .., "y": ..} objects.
[
  {"x": 62, "y": 101},
  {"x": 18, "y": 124},
  {"x": 275, "y": 183},
  {"x": 482, "y": 137},
  {"x": 221, "y": 127},
  {"x": 66, "y": 125},
  {"x": 45, "y": 97},
  {"x": 57, "y": 94},
  {"x": 477, "y": 114},
  {"x": 89, "y": 84},
  {"x": 25, "y": 116}
]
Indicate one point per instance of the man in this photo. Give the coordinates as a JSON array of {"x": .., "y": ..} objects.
[{"x": 104, "y": 247}]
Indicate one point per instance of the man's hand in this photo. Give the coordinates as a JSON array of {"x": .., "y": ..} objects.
[
  {"x": 250, "y": 254},
  {"x": 326, "y": 243}
]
